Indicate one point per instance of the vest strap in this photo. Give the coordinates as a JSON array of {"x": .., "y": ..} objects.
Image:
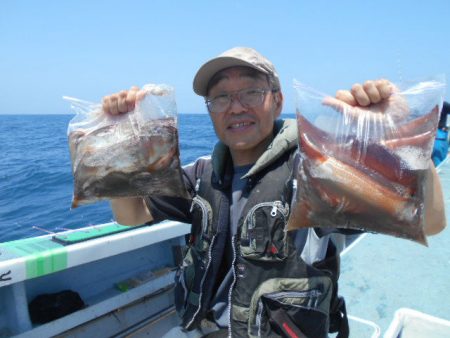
[
  {"x": 339, "y": 319},
  {"x": 194, "y": 298}
]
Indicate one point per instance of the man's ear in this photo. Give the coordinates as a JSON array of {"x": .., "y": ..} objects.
[{"x": 278, "y": 99}]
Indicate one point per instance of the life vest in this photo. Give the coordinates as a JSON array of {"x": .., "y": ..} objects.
[{"x": 274, "y": 292}]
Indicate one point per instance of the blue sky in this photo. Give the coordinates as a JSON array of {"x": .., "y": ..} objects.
[{"x": 87, "y": 49}]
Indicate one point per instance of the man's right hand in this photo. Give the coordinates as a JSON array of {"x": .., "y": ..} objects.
[{"x": 123, "y": 101}]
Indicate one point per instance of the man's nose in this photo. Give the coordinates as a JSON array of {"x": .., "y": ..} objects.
[{"x": 236, "y": 106}]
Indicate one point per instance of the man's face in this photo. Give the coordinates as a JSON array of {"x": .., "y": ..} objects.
[{"x": 246, "y": 131}]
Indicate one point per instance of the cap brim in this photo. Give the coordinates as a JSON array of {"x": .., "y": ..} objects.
[{"x": 209, "y": 69}]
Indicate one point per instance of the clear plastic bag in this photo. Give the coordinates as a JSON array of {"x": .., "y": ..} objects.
[
  {"x": 134, "y": 154},
  {"x": 365, "y": 168}
]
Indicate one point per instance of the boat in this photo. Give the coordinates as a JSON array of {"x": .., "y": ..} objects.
[{"x": 124, "y": 277}]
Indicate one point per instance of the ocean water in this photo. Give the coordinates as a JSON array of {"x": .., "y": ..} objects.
[{"x": 36, "y": 182}]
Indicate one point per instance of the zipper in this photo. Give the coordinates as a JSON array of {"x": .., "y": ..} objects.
[
  {"x": 259, "y": 316},
  {"x": 296, "y": 294},
  {"x": 294, "y": 185},
  {"x": 197, "y": 185},
  {"x": 276, "y": 206},
  {"x": 202, "y": 282},
  {"x": 232, "y": 284},
  {"x": 312, "y": 294}
]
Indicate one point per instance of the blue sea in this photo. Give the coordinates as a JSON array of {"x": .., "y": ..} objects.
[{"x": 36, "y": 182}]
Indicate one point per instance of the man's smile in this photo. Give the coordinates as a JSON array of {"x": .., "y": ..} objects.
[{"x": 240, "y": 125}]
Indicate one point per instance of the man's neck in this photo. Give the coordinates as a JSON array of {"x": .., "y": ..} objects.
[{"x": 249, "y": 156}]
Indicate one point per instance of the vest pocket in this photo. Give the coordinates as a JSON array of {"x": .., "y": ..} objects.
[
  {"x": 263, "y": 235},
  {"x": 291, "y": 307}
]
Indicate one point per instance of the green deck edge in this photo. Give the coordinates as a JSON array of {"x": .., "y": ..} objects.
[
  {"x": 92, "y": 233},
  {"x": 42, "y": 256},
  {"x": 45, "y": 255}
]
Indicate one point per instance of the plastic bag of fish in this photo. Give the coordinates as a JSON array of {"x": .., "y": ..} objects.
[
  {"x": 366, "y": 168},
  {"x": 134, "y": 154}
]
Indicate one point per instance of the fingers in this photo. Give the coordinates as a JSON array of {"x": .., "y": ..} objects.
[
  {"x": 131, "y": 98},
  {"x": 385, "y": 88},
  {"x": 360, "y": 95},
  {"x": 372, "y": 92},
  {"x": 346, "y": 96},
  {"x": 140, "y": 94},
  {"x": 109, "y": 105},
  {"x": 335, "y": 103},
  {"x": 122, "y": 106},
  {"x": 364, "y": 95},
  {"x": 120, "y": 103}
]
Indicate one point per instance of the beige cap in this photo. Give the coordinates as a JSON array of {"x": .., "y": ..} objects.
[{"x": 238, "y": 56}]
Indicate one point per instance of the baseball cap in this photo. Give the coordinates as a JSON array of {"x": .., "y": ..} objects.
[{"x": 238, "y": 56}]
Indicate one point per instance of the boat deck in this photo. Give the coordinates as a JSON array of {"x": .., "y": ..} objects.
[{"x": 381, "y": 274}]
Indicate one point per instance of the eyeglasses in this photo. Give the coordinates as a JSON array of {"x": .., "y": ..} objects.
[{"x": 248, "y": 98}]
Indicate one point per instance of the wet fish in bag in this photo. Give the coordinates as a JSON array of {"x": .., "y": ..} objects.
[
  {"x": 366, "y": 168},
  {"x": 134, "y": 154}
]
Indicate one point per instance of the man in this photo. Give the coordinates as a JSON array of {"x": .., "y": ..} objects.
[{"x": 243, "y": 275}]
